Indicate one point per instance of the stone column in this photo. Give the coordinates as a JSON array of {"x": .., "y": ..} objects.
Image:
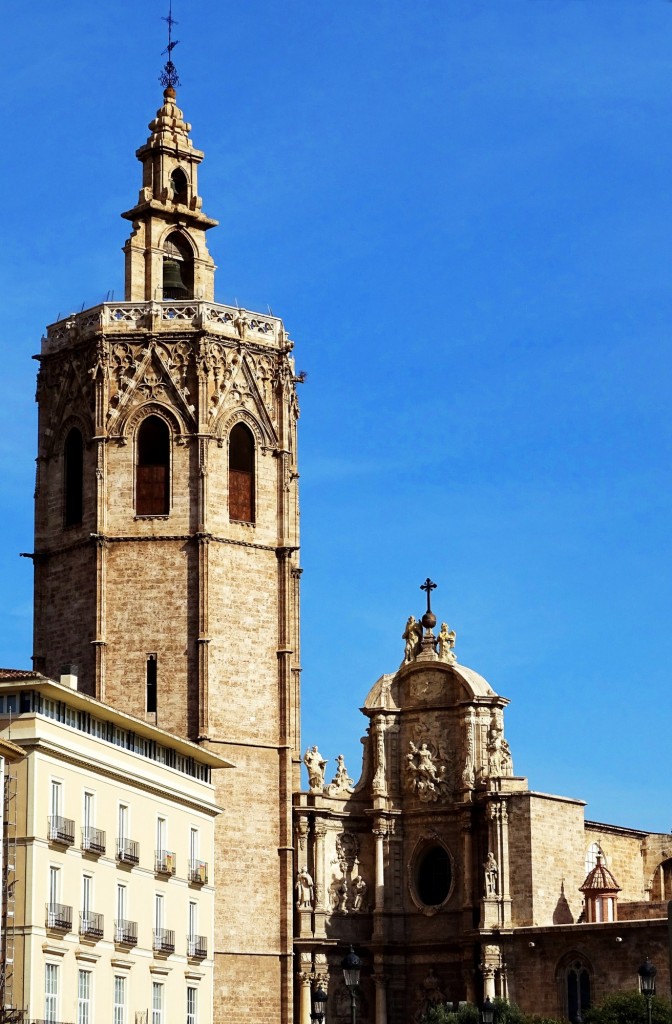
[
  {"x": 379, "y": 831},
  {"x": 304, "y": 997},
  {"x": 504, "y": 865},
  {"x": 320, "y": 895},
  {"x": 488, "y": 982},
  {"x": 380, "y": 981}
]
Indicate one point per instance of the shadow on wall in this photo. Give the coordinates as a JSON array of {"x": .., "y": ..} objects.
[{"x": 562, "y": 913}]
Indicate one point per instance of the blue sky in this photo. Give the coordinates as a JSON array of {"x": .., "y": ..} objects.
[{"x": 462, "y": 211}]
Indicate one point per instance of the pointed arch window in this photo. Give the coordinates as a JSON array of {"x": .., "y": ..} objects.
[
  {"x": 73, "y": 478},
  {"x": 577, "y": 979},
  {"x": 152, "y": 476},
  {"x": 178, "y": 268},
  {"x": 241, "y": 474}
]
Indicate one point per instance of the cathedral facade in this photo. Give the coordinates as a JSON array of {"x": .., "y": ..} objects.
[{"x": 167, "y": 569}]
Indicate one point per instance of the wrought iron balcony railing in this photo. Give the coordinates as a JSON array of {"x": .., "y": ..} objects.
[
  {"x": 93, "y": 840},
  {"x": 163, "y": 941},
  {"x": 125, "y": 932},
  {"x": 164, "y": 862},
  {"x": 198, "y": 872},
  {"x": 128, "y": 851},
  {"x": 61, "y": 830},
  {"x": 197, "y": 946},
  {"x": 90, "y": 924},
  {"x": 59, "y": 917}
]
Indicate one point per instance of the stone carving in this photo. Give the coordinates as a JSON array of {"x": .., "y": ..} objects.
[
  {"x": 348, "y": 895},
  {"x": 500, "y": 761},
  {"x": 305, "y": 890},
  {"x": 341, "y": 782},
  {"x": 359, "y": 888},
  {"x": 315, "y": 764},
  {"x": 425, "y": 775},
  {"x": 379, "y": 784},
  {"x": 347, "y": 849},
  {"x": 491, "y": 872},
  {"x": 428, "y": 994},
  {"x": 446, "y": 643},
  {"x": 413, "y": 637},
  {"x": 301, "y": 829},
  {"x": 469, "y": 773}
]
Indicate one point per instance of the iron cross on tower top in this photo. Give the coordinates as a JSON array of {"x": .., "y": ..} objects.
[{"x": 429, "y": 618}]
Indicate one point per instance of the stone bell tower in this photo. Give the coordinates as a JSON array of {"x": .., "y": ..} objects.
[{"x": 166, "y": 541}]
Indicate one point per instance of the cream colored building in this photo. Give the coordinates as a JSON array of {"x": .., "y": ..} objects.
[{"x": 114, "y": 896}]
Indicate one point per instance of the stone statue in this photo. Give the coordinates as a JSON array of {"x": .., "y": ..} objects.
[
  {"x": 491, "y": 872},
  {"x": 359, "y": 892},
  {"x": 426, "y": 777},
  {"x": 315, "y": 764},
  {"x": 341, "y": 782},
  {"x": 446, "y": 642},
  {"x": 412, "y": 635},
  {"x": 499, "y": 754},
  {"x": 304, "y": 889}
]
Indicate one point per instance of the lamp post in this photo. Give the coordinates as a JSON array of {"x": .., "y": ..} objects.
[
  {"x": 647, "y": 984},
  {"x": 319, "y": 1000},
  {"x": 487, "y": 1011},
  {"x": 352, "y": 965}
]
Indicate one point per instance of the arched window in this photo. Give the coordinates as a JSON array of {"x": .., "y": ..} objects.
[
  {"x": 73, "y": 477},
  {"x": 152, "y": 478},
  {"x": 577, "y": 981},
  {"x": 661, "y": 890},
  {"x": 241, "y": 474},
  {"x": 592, "y": 853},
  {"x": 178, "y": 268},
  {"x": 179, "y": 186}
]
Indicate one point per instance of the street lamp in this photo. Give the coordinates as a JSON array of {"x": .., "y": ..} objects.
[
  {"x": 647, "y": 983},
  {"x": 487, "y": 1011},
  {"x": 319, "y": 999},
  {"x": 352, "y": 965}
]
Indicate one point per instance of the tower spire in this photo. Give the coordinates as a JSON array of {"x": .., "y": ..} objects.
[{"x": 169, "y": 78}]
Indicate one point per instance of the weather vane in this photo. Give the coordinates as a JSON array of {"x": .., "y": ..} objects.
[{"x": 168, "y": 76}]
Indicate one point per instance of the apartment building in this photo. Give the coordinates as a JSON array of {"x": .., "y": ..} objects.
[{"x": 114, "y": 896}]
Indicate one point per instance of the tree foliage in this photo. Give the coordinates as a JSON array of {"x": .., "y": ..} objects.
[
  {"x": 629, "y": 1008},
  {"x": 505, "y": 1013}
]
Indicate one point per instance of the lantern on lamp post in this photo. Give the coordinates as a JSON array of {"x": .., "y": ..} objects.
[
  {"x": 319, "y": 1004},
  {"x": 352, "y": 965},
  {"x": 647, "y": 984}
]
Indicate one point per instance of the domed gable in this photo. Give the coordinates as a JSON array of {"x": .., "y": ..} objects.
[{"x": 385, "y": 691}]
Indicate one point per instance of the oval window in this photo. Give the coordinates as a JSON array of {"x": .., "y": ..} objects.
[{"x": 433, "y": 877}]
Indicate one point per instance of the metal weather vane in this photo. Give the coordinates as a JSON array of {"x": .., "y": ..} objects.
[{"x": 169, "y": 77}]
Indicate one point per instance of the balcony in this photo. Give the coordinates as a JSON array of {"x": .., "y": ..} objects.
[
  {"x": 59, "y": 917},
  {"x": 125, "y": 932},
  {"x": 128, "y": 851},
  {"x": 90, "y": 925},
  {"x": 61, "y": 830},
  {"x": 198, "y": 872},
  {"x": 163, "y": 941},
  {"x": 164, "y": 862},
  {"x": 93, "y": 840},
  {"x": 197, "y": 946}
]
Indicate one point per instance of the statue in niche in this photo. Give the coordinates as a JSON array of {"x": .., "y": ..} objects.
[
  {"x": 315, "y": 764},
  {"x": 446, "y": 643},
  {"x": 427, "y": 779},
  {"x": 500, "y": 761},
  {"x": 412, "y": 635},
  {"x": 359, "y": 888},
  {"x": 491, "y": 872},
  {"x": 341, "y": 782},
  {"x": 305, "y": 889}
]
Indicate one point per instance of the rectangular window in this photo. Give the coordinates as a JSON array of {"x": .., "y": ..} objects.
[
  {"x": 89, "y": 818},
  {"x": 123, "y": 821},
  {"x": 192, "y": 1004},
  {"x": 50, "y": 993},
  {"x": 193, "y": 919},
  {"x": 84, "y": 998},
  {"x": 160, "y": 834},
  {"x": 56, "y": 799},
  {"x": 120, "y": 1000},
  {"x": 158, "y": 911},
  {"x": 152, "y": 667},
  {"x": 121, "y": 902},
  {"x": 54, "y": 885},
  {"x": 157, "y": 1002},
  {"x": 193, "y": 846},
  {"x": 87, "y": 886}
]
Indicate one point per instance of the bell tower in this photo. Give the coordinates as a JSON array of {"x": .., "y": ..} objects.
[{"x": 167, "y": 538}]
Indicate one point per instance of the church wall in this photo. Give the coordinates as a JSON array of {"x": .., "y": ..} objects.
[
  {"x": 65, "y": 614},
  {"x": 246, "y": 988},
  {"x": 537, "y": 973},
  {"x": 243, "y": 667},
  {"x": 120, "y": 483},
  {"x": 554, "y": 832},
  {"x": 154, "y": 615},
  {"x": 266, "y": 527},
  {"x": 624, "y": 858}
]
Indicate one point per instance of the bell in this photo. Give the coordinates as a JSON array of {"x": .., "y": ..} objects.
[{"x": 173, "y": 285}]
